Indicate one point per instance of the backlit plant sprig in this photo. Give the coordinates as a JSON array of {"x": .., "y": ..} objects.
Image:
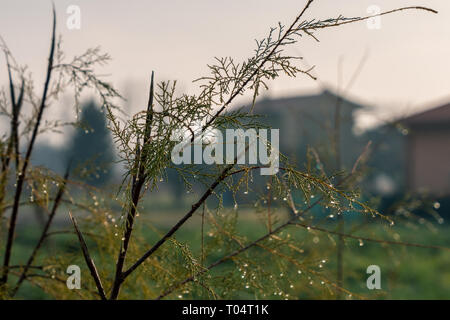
[
  {"x": 284, "y": 202},
  {"x": 31, "y": 124},
  {"x": 227, "y": 81}
]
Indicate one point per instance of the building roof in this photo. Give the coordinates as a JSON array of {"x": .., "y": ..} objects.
[
  {"x": 323, "y": 100},
  {"x": 438, "y": 115}
]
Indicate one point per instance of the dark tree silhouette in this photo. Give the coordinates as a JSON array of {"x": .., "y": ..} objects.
[{"x": 91, "y": 149}]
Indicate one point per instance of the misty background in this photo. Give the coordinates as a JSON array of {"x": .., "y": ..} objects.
[
  {"x": 383, "y": 74},
  {"x": 403, "y": 69}
]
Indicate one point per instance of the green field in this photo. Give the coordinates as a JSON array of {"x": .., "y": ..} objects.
[{"x": 406, "y": 272}]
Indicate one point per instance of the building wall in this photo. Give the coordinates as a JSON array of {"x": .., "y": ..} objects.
[{"x": 429, "y": 160}]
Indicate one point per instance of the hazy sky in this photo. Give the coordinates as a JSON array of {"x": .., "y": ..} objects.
[{"x": 407, "y": 65}]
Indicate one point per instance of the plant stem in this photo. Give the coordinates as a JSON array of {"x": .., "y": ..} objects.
[
  {"x": 44, "y": 233},
  {"x": 138, "y": 181},
  {"x": 89, "y": 261},
  {"x": 22, "y": 173}
]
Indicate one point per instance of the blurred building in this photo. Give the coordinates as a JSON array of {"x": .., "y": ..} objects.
[
  {"x": 321, "y": 121},
  {"x": 410, "y": 154},
  {"x": 428, "y": 151}
]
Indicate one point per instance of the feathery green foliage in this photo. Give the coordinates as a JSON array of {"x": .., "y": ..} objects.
[{"x": 136, "y": 259}]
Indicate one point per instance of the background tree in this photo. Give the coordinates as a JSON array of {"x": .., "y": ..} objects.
[{"x": 91, "y": 147}]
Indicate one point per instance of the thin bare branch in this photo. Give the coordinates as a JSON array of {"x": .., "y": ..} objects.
[
  {"x": 344, "y": 235},
  {"x": 87, "y": 257},
  {"x": 22, "y": 173},
  {"x": 186, "y": 217},
  {"x": 138, "y": 181},
  {"x": 43, "y": 236},
  {"x": 247, "y": 81}
]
